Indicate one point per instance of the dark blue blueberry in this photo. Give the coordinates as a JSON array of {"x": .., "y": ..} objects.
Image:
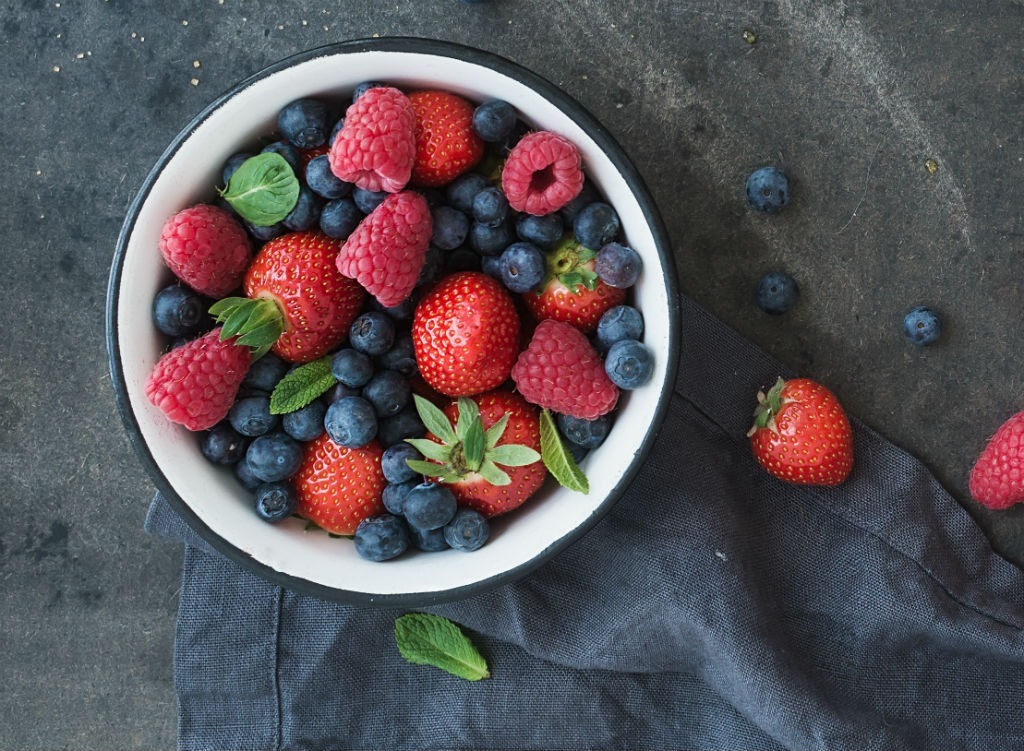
[
  {"x": 381, "y": 537},
  {"x": 586, "y": 196},
  {"x": 777, "y": 292},
  {"x": 306, "y": 423},
  {"x": 352, "y": 367},
  {"x": 451, "y": 227},
  {"x": 232, "y": 164},
  {"x": 336, "y": 130},
  {"x": 462, "y": 259},
  {"x": 394, "y": 493},
  {"x": 264, "y": 232},
  {"x": 322, "y": 181},
  {"x": 463, "y": 189},
  {"x": 401, "y": 357},
  {"x": 388, "y": 391},
  {"x": 429, "y": 505},
  {"x": 433, "y": 263},
  {"x": 305, "y": 123},
  {"x": 372, "y": 332},
  {"x": 339, "y": 391},
  {"x": 394, "y": 463},
  {"x": 178, "y": 311},
  {"x": 618, "y": 323},
  {"x": 351, "y": 422},
  {"x": 406, "y": 424},
  {"x": 428, "y": 540},
  {"x": 490, "y": 206},
  {"x": 768, "y": 190},
  {"x": 264, "y": 374},
  {"x": 401, "y": 312},
  {"x": 618, "y": 265},
  {"x": 368, "y": 200},
  {"x": 339, "y": 218},
  {"x": 922, "y": 326},
  {"x": 543, "y": 231},
  {"x": 489, "y": 241},
  {"x": 577, "y": 452},
  {"x": 288, "y": 151},
  {"x": 364, "y": 87},
  {"x": 468, "y": 530},
  {"x": 523, "y": 266},
  {"x": 629, "y": 364},
  {"x": 251, "y": 416},
  {"x": 244, "y": 475},
  {"x": 306, "y": 213},
  {"x": 491, "y": 265},
  {"x": 494, "y": 120},
  {"x": 274, "y": 456},
  {"x": 596, "y": 225},
  {"x": 586, "y": 433},
  {"x": 276, "y": 501},
  {"x": 224, "y": 445}
]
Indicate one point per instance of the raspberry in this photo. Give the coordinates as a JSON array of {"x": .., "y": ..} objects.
[
  {"x": 196, "y": 383},
  {"x": 542, "y": 173},
  {"x": 207, "y": 248},
  {"x": 561, "y": 371},
  {"x": 387, "y": 250},
  {"x": 997, "y": 478},
  {"x": 376, "y": 147}
]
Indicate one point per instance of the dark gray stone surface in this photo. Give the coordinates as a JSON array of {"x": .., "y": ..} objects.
[{"x": 851, "y": 98}]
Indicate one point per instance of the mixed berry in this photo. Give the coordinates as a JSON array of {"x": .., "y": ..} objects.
[{"x": 397, "y": 321}]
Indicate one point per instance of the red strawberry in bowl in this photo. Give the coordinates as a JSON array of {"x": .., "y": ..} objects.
[
  {"x": 446, "y": 144},
  {"x": 338, "y": 487}
]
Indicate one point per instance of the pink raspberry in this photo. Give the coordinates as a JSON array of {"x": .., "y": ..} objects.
[
  {"x": 561, "y": 371},
  {"x": 997, "y": 478},
  {"x": 386, "y": 252},
  {"x": 376, "y": 147},
  {"x": 542, "y": 173},
  {"x": 196, "y": 383},
  {"x": 207, "y": 248}
]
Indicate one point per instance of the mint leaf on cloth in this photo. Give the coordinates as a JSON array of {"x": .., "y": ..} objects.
[
  {"x": 263, "y": 190},
  {"x": 302, "y": 386},
  {"x": 557, "y": 458},
  {"x": 425, "y": 639}
]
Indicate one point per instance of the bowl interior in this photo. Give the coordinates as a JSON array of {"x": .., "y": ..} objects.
[{"x": 210, "y": 496}]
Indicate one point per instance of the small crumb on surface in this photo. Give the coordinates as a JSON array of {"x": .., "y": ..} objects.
[
  {"x": 196, "y": 64},
  {"x": 932, "y": 166},
  {"x": 749, "y": 37},
  {"x": 194, "y": 82},
  {"x": 56, "y": 69}
]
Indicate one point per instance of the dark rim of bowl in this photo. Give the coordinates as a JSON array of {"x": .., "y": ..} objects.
[{"x": 596, "y": 131}]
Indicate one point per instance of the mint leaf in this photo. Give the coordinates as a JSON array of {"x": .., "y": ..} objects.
[
  {"x": 263, "y": 190},
  {"x": 425, "y": 639},
  {"x": 557, "y": 458},
  {"x": 513, "y": 455},
  {"x": 301, "y": 386}
]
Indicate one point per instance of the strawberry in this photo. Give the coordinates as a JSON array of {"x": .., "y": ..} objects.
[
  {"x": 997, "y": 477},
  {"x": 485, "y": 448},
  {"x": 196, "y": 384},
  {"x": 376, "y": 146},
  {"x": 465, "y": 334},
  {"x": 446, "y": 144},
  {"x": 296, "y": 302},
  {"x": 338, "y": 487},
  {"x": 801, "y": 434},
  {"x": 573, "y": 292}
]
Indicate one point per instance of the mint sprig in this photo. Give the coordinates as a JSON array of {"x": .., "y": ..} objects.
[
  {"x": 302, "y": 386},
  {"x": 263, "y": 190},
  {"x": 425, "y": 639},
  {"x": 557, "y": 458}
]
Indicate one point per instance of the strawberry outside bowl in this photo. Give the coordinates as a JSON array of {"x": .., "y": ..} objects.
[{"x": 209, "y": 497}]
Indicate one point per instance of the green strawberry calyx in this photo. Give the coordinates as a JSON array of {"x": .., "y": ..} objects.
[
  {"x": 466, "y": 448},
  {"x": 768, "y": 406},
  {"x": 572, "y": 264},
  {"x": 257, "y": 322}
]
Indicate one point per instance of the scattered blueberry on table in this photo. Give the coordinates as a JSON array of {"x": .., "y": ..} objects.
[
  {"x": 922, "y": 326},
  {"x": 777, "y": 292},
  {"x": 768, "y": 190}
]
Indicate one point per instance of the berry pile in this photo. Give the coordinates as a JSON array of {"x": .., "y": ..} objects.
[{"x": 396, "y": 321}]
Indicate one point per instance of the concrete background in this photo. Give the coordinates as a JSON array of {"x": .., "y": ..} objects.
[{"x": 851, "y": 98}]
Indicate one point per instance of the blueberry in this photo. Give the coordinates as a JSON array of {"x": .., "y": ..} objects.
[
  {"x": 768, "y": 190},
  {"x": 618, "y": 265},
  {"x": 264, "y": 374},
  {"x": 388, "y": 391},
  {"x": 251, "y": 416},
  {"x": 394, "y": 463},
  {"x": 274, "y": 456},
  {"x": 922, "y": 326},
  {"x": 352, "y": 367},
  {"x": 394, "y": 493},
  {"x": 429, "y": 505},
  {"x": 489, "y": 241},
  {"x": 276, "y": 501},
  {"x": 577, "y": 452},
  {"x": 338, "y": 218},
  {"x": 304, "y": 123},
  {"x": 543, "y": 231},
  {"x": 629, "y": 364},
  {"x": 401, "y": 357},
  {"x": 617, "y": 323},
  {"x": 433, "y": 263},
  {"x": 265, "y": 232},
  {"x": 372, "y": 332},
  {"x": 306, "y": 213},
  {"x": 364, "y": 87},
  {"x": 178, "y": 311},
  {"x": 306, "y": 423},
  {"x": 351, "y": 422},
  {"x": 224, "y": 445},
  {"x": 288, "y": 151},
  {"x": 587, "y": 195},
  {"x": 468, "y": 530},
  {"x": 399, "y": 313},
  {"x": 428, "y": 540},
  {"x": 368, "y": 200},
  {"x": 451, "y": 227},
  {"x": 462, "y": 259},
  {"x": 523, "y": 266},
  {"x": 494, "y": 120},
  {"x": 336, "y": 130},
  {"x": 232, "y": 164},
  {"x": 381, "y": 537},
  {"x": 777, "y": 292},
  {"x": 406, "y": 424},
  {"x": 596, "y": 225},
  {"x": 339, "y": 391},
  {"x": 490, "y": 206},
  {"x": 491, "y": 265},
  {"x": 463, "y": 189},
  {"x": 586, "y": 433},
  {"x": 322, "y": 181},
  {"x": 244, "y": 475}
]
